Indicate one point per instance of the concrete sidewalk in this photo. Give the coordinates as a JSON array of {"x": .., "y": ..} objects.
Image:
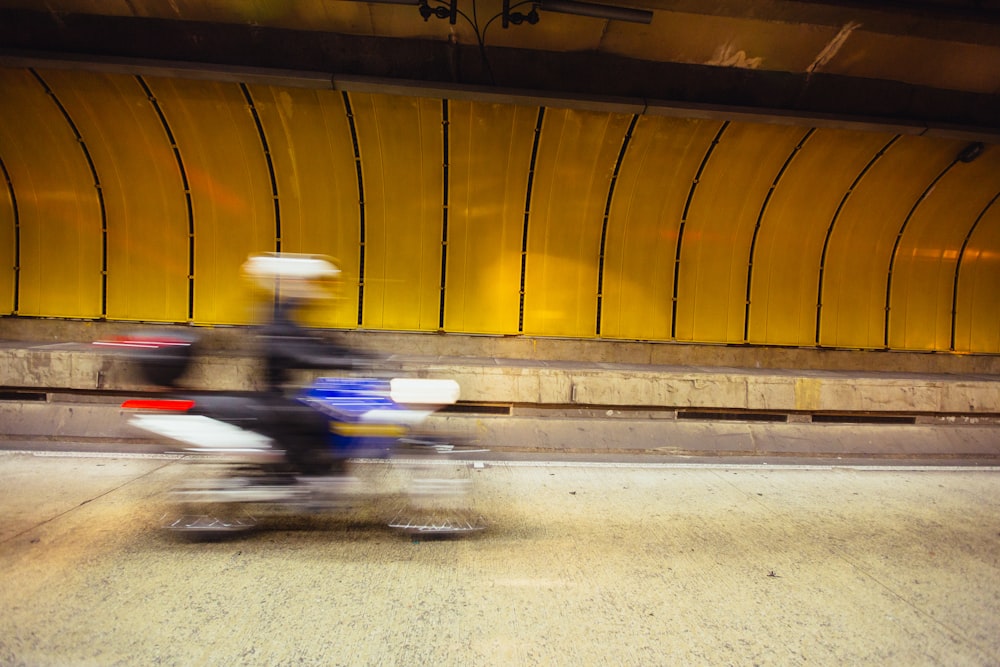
[
  {"x": 582, "y": 564},
  {"x": 106, "y": 424}
]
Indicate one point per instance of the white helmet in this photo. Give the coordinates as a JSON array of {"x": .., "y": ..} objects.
[{"x": 292, "y": 275}]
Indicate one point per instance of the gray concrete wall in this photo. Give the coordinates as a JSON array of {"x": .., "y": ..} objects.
[{"x": 82, "y": 367}]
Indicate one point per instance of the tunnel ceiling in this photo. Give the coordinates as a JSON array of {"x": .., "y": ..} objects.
[
  {"x": 931, "y": 62},
  {"x": 785, "y": 173}
]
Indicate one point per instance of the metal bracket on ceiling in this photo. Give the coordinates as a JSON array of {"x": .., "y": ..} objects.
[{"x": 448, "y": 9}]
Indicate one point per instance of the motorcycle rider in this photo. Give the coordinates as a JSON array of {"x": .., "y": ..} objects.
[
  {"x": 294, "y": 281},
  {"x": 301, "y": 430}
]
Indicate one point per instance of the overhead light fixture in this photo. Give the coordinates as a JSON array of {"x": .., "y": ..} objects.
[
  {"x": 610, "y": 12},
  {"x": 517, "y": 18},
  {"x": 449, "y": 10}
]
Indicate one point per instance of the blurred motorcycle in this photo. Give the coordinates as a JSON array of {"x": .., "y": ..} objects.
[{"x": 336, "y": 443}]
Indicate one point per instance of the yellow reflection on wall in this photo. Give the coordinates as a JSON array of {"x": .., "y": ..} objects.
[
  {"x": 143, "y": 194},
  {"x": 313, "y": 156},
  {"x": 786, "y": 265},
  {"x": 715, "y": 249},
  {"x": 923, "y": 277},
  {"x": 856, "y": 272},
  {"x": 58, "y": 208},
  {"x": 400, "y": 140},
  {"x": 8, "y": 252},
  {"x": 576, "y": 159},
  {"x": 977, "y": 322},
  {"x": 654, "y": 181},
  {"x": 227, "y": 173},
  {"x": 490, "y": 153}
]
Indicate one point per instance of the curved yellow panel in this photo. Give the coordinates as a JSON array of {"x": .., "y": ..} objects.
[
  {"x": 653, "y": 184},
  {"x": 576, "y": 158},
  {"x": 715, "y": 249},
  {"x": 8, "y": 250},
  {"x": 977, "y": 321},
  {"x": 923, "y": 276},
  {"x": 786, "y": 262},
  {"x": 855, "y": 275},
  {"x": 402, "y": 156},
  {"x": 490, "y": 154},
  {"x": 59, "y": 211},
  {"x": 230, "y": 190},
  {"x": 145, "y": 207},
  {"x": 312, "y": 150}
]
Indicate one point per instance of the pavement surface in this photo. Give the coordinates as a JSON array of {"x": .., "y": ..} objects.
[{"x": 583, "y": 563}]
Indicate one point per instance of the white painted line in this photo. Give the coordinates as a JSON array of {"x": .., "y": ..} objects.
[
  {"x": 908, "y": 467},
  {"x": 89, "y": 455},
  {"x": 746, "y": 466}
]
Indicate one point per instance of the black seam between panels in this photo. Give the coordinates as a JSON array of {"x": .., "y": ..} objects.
[
  {"x": 270, "y": 165},
  {"x": 187, "y": 190},
  {"x": 833, "y": 222},
  {"x": 760, "y": 220},
  {"x": 444, "y": 209},
  {"x": 683, "y": 223},
  {"x": 958, "y": 266},
  {"x": 361, "y": 206},
  {"x": 607, "y": 213},
  {"x": 895, "y": 248},
  {"x": 97, "y": 187},
  {"x": 17, "y": 235},
  {"x": 527, "y": 211}
]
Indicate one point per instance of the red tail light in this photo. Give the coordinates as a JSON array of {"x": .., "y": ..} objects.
[
  {"x": 142, "y": 342},
  {"x": 170, "y": 404}
]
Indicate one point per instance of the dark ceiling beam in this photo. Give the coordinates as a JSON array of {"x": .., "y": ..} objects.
[
  {"x": 965, "y": 21},
  {"x": 577, "y": 74}
]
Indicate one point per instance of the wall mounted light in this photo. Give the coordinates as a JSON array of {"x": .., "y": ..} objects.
[
  {"x": 517, "y": 18},
  {"x": 448, "y": 9},
  {"x": 971, "y": 152},
  {"x": 449, "y": 12}
]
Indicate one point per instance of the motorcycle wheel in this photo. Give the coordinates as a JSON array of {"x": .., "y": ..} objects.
[
  {"x": 439, "y": 501},
  {"x": 205, "y": 523}
]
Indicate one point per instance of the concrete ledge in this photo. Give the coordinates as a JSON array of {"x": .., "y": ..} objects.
[
  {"x": 726, "y": 389},
  {"x": 80, "y": 367},
  {"x": 27, "y": 331}
]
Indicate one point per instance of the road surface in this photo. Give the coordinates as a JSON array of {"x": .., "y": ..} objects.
[{"x": 582, "y": 564}]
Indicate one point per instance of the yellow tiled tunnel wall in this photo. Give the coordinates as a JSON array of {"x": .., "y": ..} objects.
[{"x": 137, "y": 198}]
